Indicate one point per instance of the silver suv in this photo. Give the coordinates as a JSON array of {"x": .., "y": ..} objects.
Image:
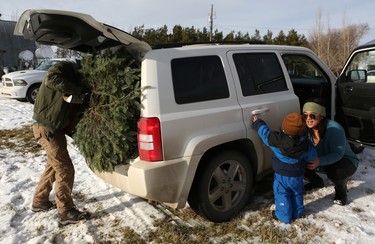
[{"x": 195, "y": 139}]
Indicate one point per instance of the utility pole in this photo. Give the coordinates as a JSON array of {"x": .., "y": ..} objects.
[{"x": 211, "y": 20}]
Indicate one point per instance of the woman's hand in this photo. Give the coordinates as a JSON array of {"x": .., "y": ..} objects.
[
  {"x": 254, "y": 117},
  {"x": 313, "y": 164}
]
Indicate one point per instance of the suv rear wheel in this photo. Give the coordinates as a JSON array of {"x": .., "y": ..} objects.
[
  {"x": 222, "y": 189},
  {"x": 32, "y": 92}
]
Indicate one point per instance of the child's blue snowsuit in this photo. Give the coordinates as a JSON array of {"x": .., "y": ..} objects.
[{"x": 289, "y": 160}]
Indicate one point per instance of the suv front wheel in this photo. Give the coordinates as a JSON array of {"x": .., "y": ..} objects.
[{"x": 222, "y": 188}]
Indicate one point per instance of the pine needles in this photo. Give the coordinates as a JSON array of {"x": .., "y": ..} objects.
[{"x": 106, "y": 134}]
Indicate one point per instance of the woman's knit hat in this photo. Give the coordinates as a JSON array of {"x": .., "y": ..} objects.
[
  {"x": 314, "y": 107},
  {"x": 293, "y": 124}
]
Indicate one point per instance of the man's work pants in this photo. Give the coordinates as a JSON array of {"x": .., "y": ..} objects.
[{"x": 59, "y": 170}]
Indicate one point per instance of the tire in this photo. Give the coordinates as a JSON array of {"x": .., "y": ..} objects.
[
  {"x": 21, "y": 99},
  {"x": 356, "y": 149},
  {"x": 32, "y": 92},
  {"x": 215, "y": 194}
]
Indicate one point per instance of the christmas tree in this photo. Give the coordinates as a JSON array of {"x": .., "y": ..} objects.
[{"x": 106, "y": 134}]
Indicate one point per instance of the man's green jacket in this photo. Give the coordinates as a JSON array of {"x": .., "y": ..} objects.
[{"x": 50, "y": 109}]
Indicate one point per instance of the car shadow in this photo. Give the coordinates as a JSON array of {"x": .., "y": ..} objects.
[{"x": 316, "y": 200}]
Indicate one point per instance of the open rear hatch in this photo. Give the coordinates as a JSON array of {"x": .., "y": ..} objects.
[{"x": 76, "y": 31}]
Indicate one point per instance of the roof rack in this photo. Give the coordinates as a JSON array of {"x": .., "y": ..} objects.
[{"x": 181, "y": 44}]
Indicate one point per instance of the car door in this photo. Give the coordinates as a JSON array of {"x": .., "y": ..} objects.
[
  {"x": 355, "y": 102},
  {"x": 76, "y": 31},
  {"x": 262, "y": 90}
]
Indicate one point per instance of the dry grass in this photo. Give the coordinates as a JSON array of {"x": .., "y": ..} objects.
[
  {"x": 20, "y": 140},
  {"x": 257, "y": 227}
]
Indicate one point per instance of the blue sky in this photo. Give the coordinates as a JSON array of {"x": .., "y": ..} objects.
[{"x": 237, "y": 15}]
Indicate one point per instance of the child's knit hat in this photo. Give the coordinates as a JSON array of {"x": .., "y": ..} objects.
[{"x": 293, "y": 124}]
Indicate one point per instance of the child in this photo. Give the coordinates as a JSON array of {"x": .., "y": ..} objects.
[{"x": 291, "y": 152}]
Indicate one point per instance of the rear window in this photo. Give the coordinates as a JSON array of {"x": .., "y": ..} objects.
[
  {"x": 198, "y": 79},
  {"x": 259, "y": 73}
]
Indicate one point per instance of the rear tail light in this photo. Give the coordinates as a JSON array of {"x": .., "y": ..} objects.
[{"x": 149, "y": 139}]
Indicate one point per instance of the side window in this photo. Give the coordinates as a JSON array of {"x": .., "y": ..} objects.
[
  {"x": 361, "y": 68},
  {"x": 259, "y": 73},
  {"x": 198, "y": 79},
  {"x": 302, "y": 69},
  {"x": 308, "y": 80}
]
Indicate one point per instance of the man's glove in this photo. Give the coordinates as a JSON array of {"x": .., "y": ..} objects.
[{"x": 81, "y": 99}]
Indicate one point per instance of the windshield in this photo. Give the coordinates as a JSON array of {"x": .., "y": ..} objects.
[{"x": 45, "y": 65}]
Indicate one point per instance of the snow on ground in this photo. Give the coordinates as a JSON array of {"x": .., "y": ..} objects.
[{"x": 19, "y": 175}]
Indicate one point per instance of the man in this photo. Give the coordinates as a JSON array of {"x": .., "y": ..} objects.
[{"x": 53, "y": 118}]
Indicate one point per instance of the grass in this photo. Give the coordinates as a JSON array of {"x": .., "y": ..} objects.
[
  {"x": 258, "y": 226},
  {"x": 254, "y": 225},
  {"x": 20, "y": 140}
]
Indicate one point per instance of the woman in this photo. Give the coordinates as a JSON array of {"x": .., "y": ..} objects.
[{"x": 335, "y": 155}]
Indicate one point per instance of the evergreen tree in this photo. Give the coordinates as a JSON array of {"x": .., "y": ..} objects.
[
  {"x": 256, "y": 36},
  {"x": 280, "y": 39},
  {"x": 203, "y": 36},
  {"x": 229, "y": 36},
  {"x": 267, "y": 39},
  {"x": 217, "y": 35},
  {"x": 294, "y": 39},
  {"x": 139, "y": 32},
  {"x": 189, "y": 35},
  {"x": 176, "y": 34},
  {"x": 106, "y": 134}
]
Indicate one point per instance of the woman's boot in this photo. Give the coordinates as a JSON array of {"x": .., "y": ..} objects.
[
  {"x": 341, "y": 192},
  {"x": 315, "y": 181}
]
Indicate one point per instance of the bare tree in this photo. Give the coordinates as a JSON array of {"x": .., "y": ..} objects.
[
  {"x": 316, "y": 36},
  {"x": 333, "y": 46}
]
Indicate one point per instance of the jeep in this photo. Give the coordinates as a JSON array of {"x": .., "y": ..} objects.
[{"x": 195, "y": 138}]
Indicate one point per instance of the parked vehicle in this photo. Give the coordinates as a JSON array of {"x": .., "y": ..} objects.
[
  {"x": 195, "y": 139},
  {"x": 24, "y": 84},
  {"x": 356, "y": 97}
]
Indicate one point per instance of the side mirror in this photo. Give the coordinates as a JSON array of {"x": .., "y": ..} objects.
[{"x": 357, "y": 75}]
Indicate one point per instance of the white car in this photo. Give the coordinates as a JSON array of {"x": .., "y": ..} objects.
[{"x": 24, "y": 84}]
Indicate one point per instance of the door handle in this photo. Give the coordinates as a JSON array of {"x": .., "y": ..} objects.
[
  {"x": 348, "y": 89},
  {"x": 260, "y": 111}
]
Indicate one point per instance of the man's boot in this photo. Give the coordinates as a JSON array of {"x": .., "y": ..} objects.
[{"x": 341, "y": 192}]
